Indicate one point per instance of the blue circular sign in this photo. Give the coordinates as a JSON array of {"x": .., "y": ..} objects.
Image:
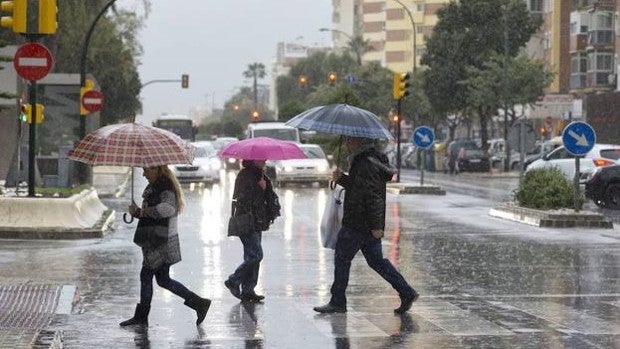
[
  {"x": 578, "y": 138},
  {"x": 423, "y": 136}
]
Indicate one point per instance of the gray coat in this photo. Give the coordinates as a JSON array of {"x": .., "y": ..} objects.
[{"x": 170, "y": 252}]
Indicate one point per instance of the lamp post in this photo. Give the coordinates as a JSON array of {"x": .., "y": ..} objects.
[
  {"x": 358, "y": 54},
  {"x": 414, "y": 34},
  {"x": 83, "y": 169}
]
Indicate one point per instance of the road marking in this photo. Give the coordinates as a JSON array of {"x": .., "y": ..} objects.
[
  {"x": 575, "y": 320},
  {"x": 456, "y": 321},
  {"x": 65, "y": 301}
]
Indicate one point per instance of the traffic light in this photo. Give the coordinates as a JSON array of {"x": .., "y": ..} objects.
[
  {"x": 27, "y": 113},
  {"x": 395, "y": 119},
  {"x": 303, "y": 81},
  {"x": 332, "y": 78},
  {"x": 401, "y": 83},
  {"x": 88, "y": 85},
  {"x": 48, "y": 23},
  {"x": 236, "y": 107},
  {"x": 255, "y": 116},
  {"x": 17, "y": 21},
  {"x": 184, "y": 81}
]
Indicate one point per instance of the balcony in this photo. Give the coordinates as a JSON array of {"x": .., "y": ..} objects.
[{"x": 578, "y": 42}]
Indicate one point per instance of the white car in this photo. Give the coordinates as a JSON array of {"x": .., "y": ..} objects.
[
  {"x": 600, "y": 155},
  {"x": 315, "y": 168},
  {"x": 205, "y": 167}
]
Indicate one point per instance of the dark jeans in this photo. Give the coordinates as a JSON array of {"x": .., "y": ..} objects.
[
  {"x": 162, "y": 275},
  {"x": 246, "y": 274},
  {"x": 347, "y": 245}
]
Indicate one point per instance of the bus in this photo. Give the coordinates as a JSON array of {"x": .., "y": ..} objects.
[{"x": 182, "y": 125}]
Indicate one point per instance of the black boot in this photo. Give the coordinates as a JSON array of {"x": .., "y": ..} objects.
[
  {"x": 201, "y": 305},
  {"x": 140, "y": 317}
]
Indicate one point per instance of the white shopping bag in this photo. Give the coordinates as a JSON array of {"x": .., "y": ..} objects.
[{"x": 332, "y": 218}]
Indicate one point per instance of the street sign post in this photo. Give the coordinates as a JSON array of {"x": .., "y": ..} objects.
[
  {"x": 578, "y": 138},
  {"x": 423, "y": 137},
  {"x": 92, "y": 101},
  {"x": 32, "y": 61}
]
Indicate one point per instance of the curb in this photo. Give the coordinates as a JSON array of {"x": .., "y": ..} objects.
[
  {"x": 402, "y": 188},
  {"x": 98, "y": 230},
  {"x": 551, "y": 219}
]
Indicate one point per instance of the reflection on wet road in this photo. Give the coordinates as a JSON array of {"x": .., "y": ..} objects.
[{"x": 485, "y": 283}]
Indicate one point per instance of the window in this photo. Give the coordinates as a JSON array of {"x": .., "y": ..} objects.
[
  {"x": 419, "y": 7},
  {"x": 536, "y": 5},
  {"x": 579, "y": 64}
]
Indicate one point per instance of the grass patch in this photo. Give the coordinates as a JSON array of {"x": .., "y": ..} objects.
[{"x": 60, "y": 192}]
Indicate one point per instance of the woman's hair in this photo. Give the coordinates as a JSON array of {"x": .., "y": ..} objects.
[
  {"x": 165, "y": 172},
  {"x": 247, "y": 163}
]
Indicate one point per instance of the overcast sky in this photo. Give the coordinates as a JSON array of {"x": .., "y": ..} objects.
[{"x": 213, "y": 41}]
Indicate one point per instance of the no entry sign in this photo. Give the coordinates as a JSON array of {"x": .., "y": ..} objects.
[
  {"x": 32, "y": 61},
  {"x": 92, "y": 101}
]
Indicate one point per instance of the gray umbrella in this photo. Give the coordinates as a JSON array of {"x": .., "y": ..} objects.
[{"x": 342, "y": 119}]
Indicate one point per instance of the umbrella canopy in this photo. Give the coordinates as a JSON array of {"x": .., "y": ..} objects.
[
  {"x": 342, "y": 119},
  {"x": 262, "y": 148},
  {"x": 132, "y": 145}
]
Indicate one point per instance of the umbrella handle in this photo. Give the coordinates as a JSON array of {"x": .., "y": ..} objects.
[
  {"x": 128, "y": 221},
  {"x": 332, "y": 185}
]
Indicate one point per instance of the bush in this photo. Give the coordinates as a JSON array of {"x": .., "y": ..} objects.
[{"x": 546, "y": 189}]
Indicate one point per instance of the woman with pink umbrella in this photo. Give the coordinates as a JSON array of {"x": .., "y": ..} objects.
[{"x": 254, "y": 194}]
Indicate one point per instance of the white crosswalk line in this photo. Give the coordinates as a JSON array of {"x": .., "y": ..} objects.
[{"x": 457, "y": 321}]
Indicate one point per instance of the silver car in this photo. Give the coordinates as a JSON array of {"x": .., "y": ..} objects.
[
  {"x": 313, "y": 169},
  {"x": 205, "y": 167}
]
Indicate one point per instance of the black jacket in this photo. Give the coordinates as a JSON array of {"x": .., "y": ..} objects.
[
  {"x": 364, "y": 200},
  {"x": 249, "y": 196}
]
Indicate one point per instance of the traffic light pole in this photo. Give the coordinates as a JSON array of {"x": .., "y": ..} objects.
[
  {"x": 32, "y": 130},
  {"x": 398, "y": 103}
]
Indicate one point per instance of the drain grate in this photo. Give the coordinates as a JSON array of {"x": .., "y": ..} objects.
[{"x": 28, "y": 306}]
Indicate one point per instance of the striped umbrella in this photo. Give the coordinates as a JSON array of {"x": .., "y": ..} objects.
[
  {"x": 342, "y": 119},
  {"x": 132, "y": 145}
]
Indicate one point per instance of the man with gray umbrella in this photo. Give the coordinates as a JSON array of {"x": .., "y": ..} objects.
[{"x": 363, "y": 224}]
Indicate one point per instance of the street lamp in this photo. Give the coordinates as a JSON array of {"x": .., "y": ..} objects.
[
  {"x": 414, "y": 33},
  {"x": 352, "y": 45}
]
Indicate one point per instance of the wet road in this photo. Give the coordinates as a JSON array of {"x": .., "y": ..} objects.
[{"x": 485, "y": 282}]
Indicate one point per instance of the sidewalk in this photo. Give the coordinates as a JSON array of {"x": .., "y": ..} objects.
[{"x": 26, "y": 309}]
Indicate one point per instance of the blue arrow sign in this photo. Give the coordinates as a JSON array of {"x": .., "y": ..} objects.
[
  {"x": 423, "y": 136},
  {"x": 578, "y": 138}
]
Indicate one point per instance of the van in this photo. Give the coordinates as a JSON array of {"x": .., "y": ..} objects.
[{"x": 277, "y": 130}]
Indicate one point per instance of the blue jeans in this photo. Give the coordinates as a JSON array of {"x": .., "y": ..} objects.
[
  {"x": 246, "y": 274},
  {"x": 162, "y": 275},
  {"x": 347, "y": 245}
]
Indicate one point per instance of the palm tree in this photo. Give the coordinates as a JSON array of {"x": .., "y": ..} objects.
[
  {"x": 359, "y": 46},
  {"x": 255, "y": 71}
]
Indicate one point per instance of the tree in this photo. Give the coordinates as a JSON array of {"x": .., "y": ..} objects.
[
  {"x": 468, "y": 34},
  {"x": 359, "y": 46},
  {"x": 255, "y": 71}
]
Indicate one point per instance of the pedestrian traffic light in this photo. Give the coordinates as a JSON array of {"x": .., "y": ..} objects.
[
  {"x": 17, "y": 21},
  {"x": 48, "y": 11},
  {"x": 27, "y": 113},
  {"x": 88, "y": 85},
  {"x": 332, "y": 78},
  {"x": 401, "y": 83},
  {"x": 184, "y": 81},
  {"x": 303, "y": 81}
]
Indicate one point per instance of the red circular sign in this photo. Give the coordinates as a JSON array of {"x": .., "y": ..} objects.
[
  {"x": 92, "y": 101},
  {"x": 32, "y": 61},
  {"x": 549, "y": 120}
]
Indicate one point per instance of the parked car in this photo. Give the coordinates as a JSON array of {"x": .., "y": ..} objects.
[
  {"x": 541, "y": 149},
  {"x": 603, "y": 188},
  {"x": 473, "y": 160},
  {"x": 205, "y": 167},
  {"x": 315, "y": 168},
  {"x": 600, "y": 155}
]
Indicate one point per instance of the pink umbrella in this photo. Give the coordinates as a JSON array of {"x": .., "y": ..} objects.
[{"x": 262, "y": 148}]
